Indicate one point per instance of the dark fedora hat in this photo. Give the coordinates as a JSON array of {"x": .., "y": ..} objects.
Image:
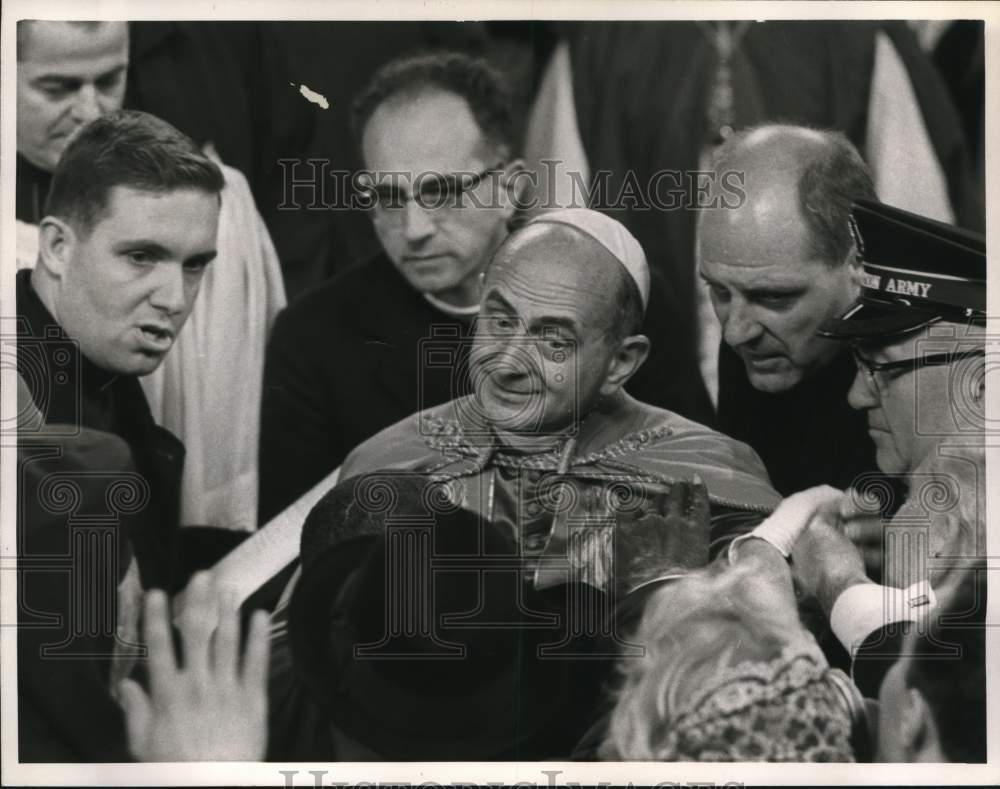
[{"x": 416, "y": 631}]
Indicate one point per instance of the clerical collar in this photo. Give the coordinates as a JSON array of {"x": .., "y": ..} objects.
[
  {"x": 31, "y": 308},
  {"x": 451, "y": 309}
]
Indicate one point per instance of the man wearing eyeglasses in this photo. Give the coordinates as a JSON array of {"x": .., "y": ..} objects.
[
  {"x": 917, "y": 334},
  {"x": 390, "y": 337},
  {"x": 345, "y": 361},
  {"x": 918, "y": 338}
]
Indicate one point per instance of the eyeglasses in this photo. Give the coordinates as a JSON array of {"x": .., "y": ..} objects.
[
  {"x": 869, "y": 368},
  {"x": 438, "y": 193}
]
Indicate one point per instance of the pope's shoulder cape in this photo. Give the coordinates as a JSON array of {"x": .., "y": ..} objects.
[{"x": 629, "y": 437}]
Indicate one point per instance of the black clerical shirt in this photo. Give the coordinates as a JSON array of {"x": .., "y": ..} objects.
[
  {"x": 70, "y": 390},
  {"x": 807, "y": 435}
]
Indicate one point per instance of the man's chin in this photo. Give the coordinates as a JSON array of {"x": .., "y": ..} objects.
[
  {"x": 773, "y": 382},
  {"x": 887, "y": 458},
  {"x": 139, "y": 364}
]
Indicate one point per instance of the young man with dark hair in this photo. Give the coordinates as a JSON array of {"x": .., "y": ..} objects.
[
  {"x": 129, "y": 230},
  {"x": 68, "y": 74}
]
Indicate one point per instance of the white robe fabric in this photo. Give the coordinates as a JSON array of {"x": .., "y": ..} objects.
[{"x": 207, "y": 391}]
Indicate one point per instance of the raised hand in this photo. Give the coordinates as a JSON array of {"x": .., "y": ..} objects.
[
  {"x": 214, "y": 705},
  {"x": 668, "y": 535}
]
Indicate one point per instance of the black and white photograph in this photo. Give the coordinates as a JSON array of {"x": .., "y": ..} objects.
[{"x": 536, "y": 393}]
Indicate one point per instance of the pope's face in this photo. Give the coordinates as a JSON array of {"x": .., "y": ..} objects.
[
  {"x": 769, "y": 291},
  {"x": 127, "y": 287},
  {"x": 541, "y": 354},
  {"x": 67, "y": 75}
]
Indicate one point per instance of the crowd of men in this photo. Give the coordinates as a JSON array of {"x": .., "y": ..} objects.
[{"x": 489, "y": 501}]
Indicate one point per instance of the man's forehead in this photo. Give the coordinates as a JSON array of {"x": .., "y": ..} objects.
[
  {"x": 766, "y": 226},
  {"x": 556, "y": 270},
  {"x": 891, "y": 348},
  {"x": 749, "y": 250},
  {"x": 433, "y": 131},
  {"x": 127, "y": 209},
  {"x": 72, "y": 49},
  {"x": 761, "y": 272},
  {"x": 554, "y": 249}
]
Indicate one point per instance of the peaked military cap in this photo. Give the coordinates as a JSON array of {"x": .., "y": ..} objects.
[{"x": 915, "y": 272}]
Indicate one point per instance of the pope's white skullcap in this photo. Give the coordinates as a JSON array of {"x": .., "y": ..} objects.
[{"x": 610, "y": 234}]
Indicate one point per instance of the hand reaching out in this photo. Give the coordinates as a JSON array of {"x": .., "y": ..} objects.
[
  {"x": 214, "y": 706},
  {"x": 669, "y": 537}
]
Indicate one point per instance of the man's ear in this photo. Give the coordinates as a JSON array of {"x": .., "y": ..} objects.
[
  {"x": 631, "y": 353},
  {"x": 56, "y": 242},
  {"x": 516, "y": 180},
  {"x": 854, "y": 268}
]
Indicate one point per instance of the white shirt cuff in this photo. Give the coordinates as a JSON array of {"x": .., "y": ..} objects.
[{"x": 862, "y": 609}]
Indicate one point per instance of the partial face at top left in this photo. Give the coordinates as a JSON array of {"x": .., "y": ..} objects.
[{"x": 68, "y": 73}]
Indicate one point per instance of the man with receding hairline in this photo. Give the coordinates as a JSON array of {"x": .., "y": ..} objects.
[
  {"x": 594, "y": 486},
  {"x": 588, "y": 307},
  {"x": 777, "y": 266},
  {"x": 550, "y": 360},
  {"x": 440, "y": 204}
]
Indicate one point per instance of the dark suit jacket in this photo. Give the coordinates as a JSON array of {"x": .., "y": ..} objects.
[
  {"x": 806, "y": 436},
  {"x": 365, "y": 349},
  {"x": 70, "y": 390},
  {"x": 68, "y": 570}
]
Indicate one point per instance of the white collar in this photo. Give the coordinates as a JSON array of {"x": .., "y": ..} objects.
[{"x": 451, "y": 309}]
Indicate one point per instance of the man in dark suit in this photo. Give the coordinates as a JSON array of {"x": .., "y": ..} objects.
[
  {"x": 918, "y": 333},
  {"x": 389, "y": 338},
  {"x": 777, "y": 266},
  {"x": 129, "y": 228}
]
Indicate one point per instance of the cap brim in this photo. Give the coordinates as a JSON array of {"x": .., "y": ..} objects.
[{"x": 869, "y": 320}]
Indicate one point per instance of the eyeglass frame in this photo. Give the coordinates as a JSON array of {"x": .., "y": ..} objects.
[
  {"x": 459, "y": 189},
  {"x": 869, "y": 367}
]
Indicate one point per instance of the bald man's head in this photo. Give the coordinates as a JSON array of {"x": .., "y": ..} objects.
[
  {"x": 604, "y": 288},
  {"x": 556, "y": 331},
  {"x": 793, "y": 171},
  {"x": 783, "y": 261}
]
